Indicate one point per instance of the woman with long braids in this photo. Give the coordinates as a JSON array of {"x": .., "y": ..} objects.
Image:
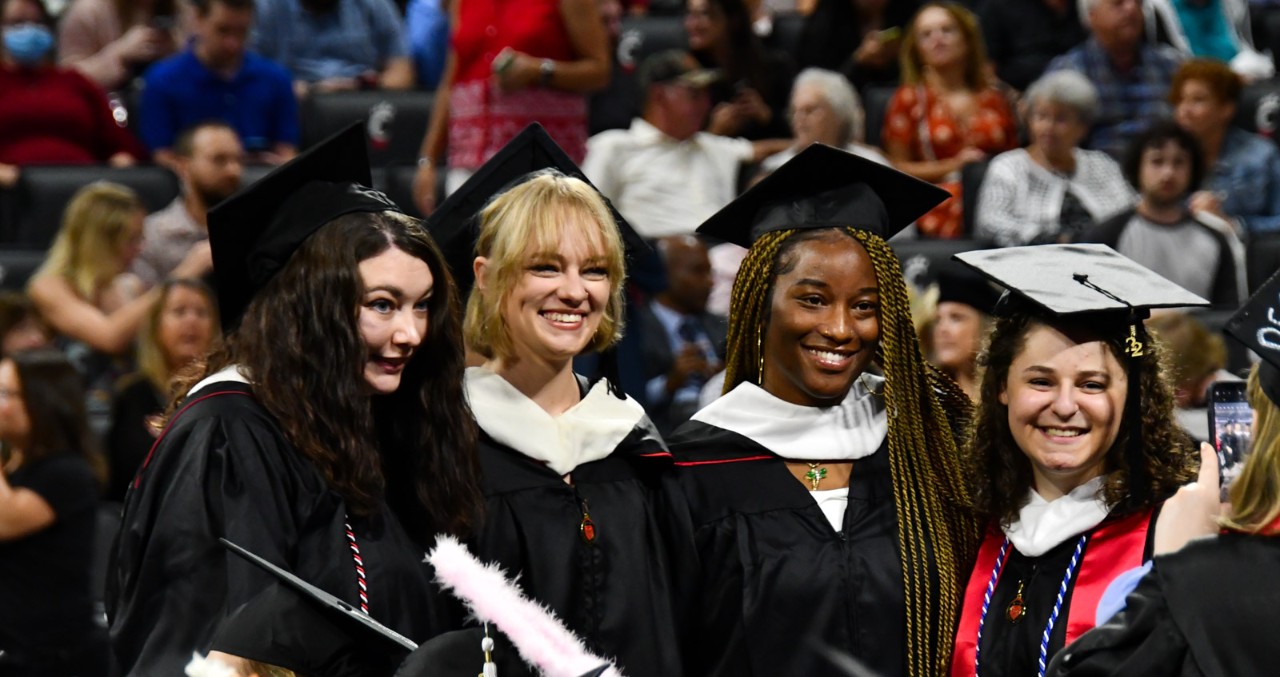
[
  {"x": 826, "y": 504},
  {"x": 1073, "y": 450},
  {"x": 329, "y": 434}
]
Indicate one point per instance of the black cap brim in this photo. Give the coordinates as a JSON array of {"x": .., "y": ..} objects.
[
  {"x": 253, "y": 233},
  {"x": 1066, "y": 280},
  {"x": 1257, "y": 326},
  {"x": 336, "y": 613},
  {"x": 454, "y": 224},
  {"x": 825, "y": 187}
]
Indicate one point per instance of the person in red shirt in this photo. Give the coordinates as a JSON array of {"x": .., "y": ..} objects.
[{"x": 50, "y": 115}]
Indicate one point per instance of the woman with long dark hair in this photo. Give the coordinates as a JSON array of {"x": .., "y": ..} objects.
[
  {"x": 329, "y": 434},
  {"x": 825, "y": 501},
  {"x": 1073, "y": 449},
  {"x": 49, "y": 482}
]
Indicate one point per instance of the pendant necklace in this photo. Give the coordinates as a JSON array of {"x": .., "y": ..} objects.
[{"x": 815, "y": 475}]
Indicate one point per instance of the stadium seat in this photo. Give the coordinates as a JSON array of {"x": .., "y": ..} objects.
[
  {"x": 396, "y": 121},
  {"x": 397, "y": 183},
  {"x": 1262, "y": 258},
  {"x": 875, "y": 101},
  {"x": 642, "y": 36},
  {"x": 17, "y": 265},
  {"x": 1259, "y": 109},
  {"x": 920, "y": 258},
  {"x": 788, "y": 31},
  {"x": 971, "y": 176},
  {"x": 42, "y": 193}
]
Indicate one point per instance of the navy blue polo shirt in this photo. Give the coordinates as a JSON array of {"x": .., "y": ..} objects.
[{"x": 257, "y": 101}]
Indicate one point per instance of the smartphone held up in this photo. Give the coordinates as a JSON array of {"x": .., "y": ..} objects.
[{"x": 1230, "y": 429}]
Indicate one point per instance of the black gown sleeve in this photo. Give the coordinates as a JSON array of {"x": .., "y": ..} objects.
[
  {"x": 1143, "y": 639},
  {"x": 225, "y": 470}
]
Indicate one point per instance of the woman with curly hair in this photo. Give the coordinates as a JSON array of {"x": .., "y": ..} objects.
[
  {"x": 1072, "y": 450},
  {"x": 1208, "y": 608},
  {"x": 824, "y": 502},
  {"x": 329, "y": 435}
]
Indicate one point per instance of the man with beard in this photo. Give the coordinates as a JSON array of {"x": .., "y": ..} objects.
[
  {"x": 335, "y": 45},
  {"x": 207, "y": 158}
]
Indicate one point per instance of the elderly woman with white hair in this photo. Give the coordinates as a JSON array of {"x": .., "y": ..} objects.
[
  {"x": 1052, "y": 190},
  {"x": 825, "y": 108}
]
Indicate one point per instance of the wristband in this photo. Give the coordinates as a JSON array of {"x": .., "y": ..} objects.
[{"x": 546, "y": 70}]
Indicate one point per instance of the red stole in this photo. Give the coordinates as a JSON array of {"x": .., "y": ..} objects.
[{"x": 1115, "y": 546}]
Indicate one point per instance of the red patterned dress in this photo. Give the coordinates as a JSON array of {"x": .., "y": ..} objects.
[{"x": 918, "y": 119}]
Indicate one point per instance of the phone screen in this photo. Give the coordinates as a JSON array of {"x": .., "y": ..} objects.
[{"x": 1231, "y": 429}]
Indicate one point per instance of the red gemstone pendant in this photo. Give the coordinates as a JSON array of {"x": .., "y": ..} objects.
[
  {"x": 1017, "y": 608},
  {"x": 588, "y": 529}
]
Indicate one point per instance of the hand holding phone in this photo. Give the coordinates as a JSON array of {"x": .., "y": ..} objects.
[{"x": 1230, "y": 429}]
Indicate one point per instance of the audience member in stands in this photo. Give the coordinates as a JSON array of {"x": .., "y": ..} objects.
[
  {"x": 1197, "y": 358},
  {"x": 859, "y": 38},
  {"x": 113, "y": 41},
  {"x": 946, "y": 114},
  {"x": 207, "y": 159},
  {"x": 1212, "y": 29},
  {"x": 750, "y": 98},
  {"x": 548, "y": 55},
  {"x": 335, "y": 45},
  {"x": 664, "y": 174},
  {"x": 1023, "y": 36},
  {"x": 49, "y": 480},
  {"x": 960, "y": 323},
  {"x": 825, "y": 109},
  {"x": 20, "y": 326},
  {"x": 1165, "y": 164},
  {"x": 81, "y": 290},
  {"x": 50, "y": 115},
  {"x": 1052, "y": 190},
  {"x": 683, "y": 343},
  {"x": 177, "y": 333},
  {"x": 1132, "y": 76},
  {"x": 427, "y": 29},
  {"x": 1243, "y": 179},
  {"x": 216, "y": 78}
]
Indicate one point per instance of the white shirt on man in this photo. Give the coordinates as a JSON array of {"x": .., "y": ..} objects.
[{"x": 660, "y": 185}]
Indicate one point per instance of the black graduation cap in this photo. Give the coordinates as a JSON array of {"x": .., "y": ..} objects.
[
  {"x": 455, "y": 226},
  {"x": 1068, "y": 279},
  {"x": 1257, "y": 326},
  {"x": 960, "y": 284},
  {"x": 254, "y": 232},
  {"x": 825, "y": 187},
  {"x": 295, "y": 625}
]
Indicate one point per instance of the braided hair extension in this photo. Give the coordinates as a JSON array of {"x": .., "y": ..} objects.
[{"x": 938, "y": 533}]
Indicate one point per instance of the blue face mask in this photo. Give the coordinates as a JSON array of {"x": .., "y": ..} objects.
[{"x": 28, "y": 44}]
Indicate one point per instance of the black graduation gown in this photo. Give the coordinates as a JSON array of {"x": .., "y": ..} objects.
[
  {"x": 1208, "y": 609},
  {"x": 224, "y": 469},
  {"x": 614, "y": 592},
  {"x": 769, "y": 578}
]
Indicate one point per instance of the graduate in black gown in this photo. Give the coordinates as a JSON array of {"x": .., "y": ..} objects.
[
  {"x": 1211, "y": 607},
  {"x": 1074, "y": 448},
  {"x": 336, "y": 397},
  {"x": 820, "y": 520},
  {"x": 569, "y": 469}
]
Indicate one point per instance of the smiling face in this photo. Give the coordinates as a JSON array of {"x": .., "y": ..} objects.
[
  {"x": 939, "y": 39},
  {"x": 186, "y": 326},
  {"x": 824, "y": 321},
  {"x": 1065, "y": 396},
  {"x": 393, "y": 314},
  {"x": 957, "y": 332},
  {"x": 554, "y": 308}
]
